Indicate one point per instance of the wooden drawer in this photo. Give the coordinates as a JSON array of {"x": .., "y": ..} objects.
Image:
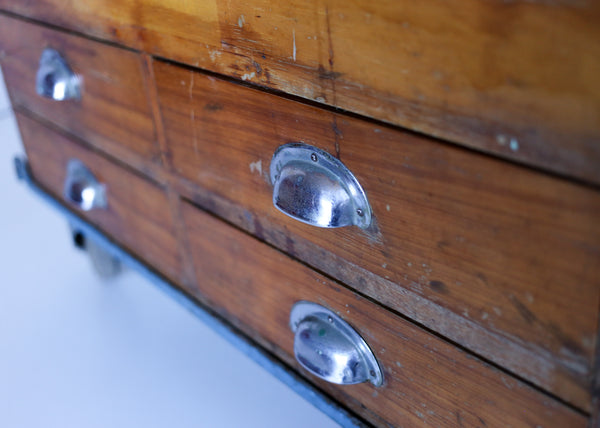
[
  {"x": 137, "y": 215},
  {"x": 426, "y": 380},
  {"x": 517, "y": 79},
  {"x": 498, "y": 258},
  {"x": 113, "y": 113}
]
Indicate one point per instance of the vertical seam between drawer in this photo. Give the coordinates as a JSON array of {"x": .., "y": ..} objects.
[{"x": 152, "y": 95}]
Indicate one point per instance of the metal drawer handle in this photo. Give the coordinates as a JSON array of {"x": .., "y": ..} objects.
[
  {"x": 312, "y": 186},
  {"x": 82, "y": 189},
  {"x": 328, "y": 347},
  {"x": 55, "y": 79}
]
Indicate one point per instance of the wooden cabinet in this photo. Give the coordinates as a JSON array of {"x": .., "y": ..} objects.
[{"x": 471, "y": 128}]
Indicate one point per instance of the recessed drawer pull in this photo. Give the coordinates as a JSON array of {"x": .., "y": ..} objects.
[
  {"x": 82, "y": 189},
  {"x": 312, "y": 186},
  {"x": 55, "y": 79},
  {"x": 330, "y": 348}
]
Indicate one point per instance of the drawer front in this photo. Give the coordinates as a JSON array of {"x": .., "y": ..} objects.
[
  {"x": 113, "y": 113},
  {"x": 518, "y": 79},
  {"x": 137, "y": 215},
  {"x": 498, "y": 258},
  {"x": 426, "y": 380}
]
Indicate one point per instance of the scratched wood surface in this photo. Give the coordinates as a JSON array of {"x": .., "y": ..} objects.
[
  {"x": 517, "y": 79},
  {"x": 137, "y": 216},
  {"x": 428, "y": 382},
  {"x": 113, "y": 113},
  {"x": 498, "y": 258}
]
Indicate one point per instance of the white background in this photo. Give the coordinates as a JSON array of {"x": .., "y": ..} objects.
[{"x": 79, "y": 352}]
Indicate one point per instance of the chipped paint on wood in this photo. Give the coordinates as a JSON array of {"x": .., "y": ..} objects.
[
  {"x": 214, "y": 54},
  {"x": 294, "y": 44},
  {"x": 514, "y": 144},
  {"x": 193, "y": 126},
  {"x": 256, "y": 166},
  {"x": 193, "y": 114}
]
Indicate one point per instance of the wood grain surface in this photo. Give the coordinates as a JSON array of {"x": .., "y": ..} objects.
[
  {"x": 427, "y": 382},
  {"x": 114, "y": 111},
  {"x": 495, "y": 257},
  {"x": 138, "y": 215},
  {"x": 517, "y": 79},
  {"x": 498, "y": 258}
]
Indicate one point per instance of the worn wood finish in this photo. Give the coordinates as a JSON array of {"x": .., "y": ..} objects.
[
  {"x": 114, "y": 111},
  {"x": 493, "y": 256},
  {"x": 427, "y": 381},
  {"x": 517, "y": 79},
  {"x": 137, "y": 216}
]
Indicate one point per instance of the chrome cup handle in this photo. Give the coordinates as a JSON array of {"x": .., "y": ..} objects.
[
  {"x": 313, "y": 187},
  {"x": 328, "y": 347},
  {"x": 82, "y": 189},
  {"x": 55, "y": 79}
]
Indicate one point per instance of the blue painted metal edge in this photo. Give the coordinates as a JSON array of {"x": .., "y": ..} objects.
[{"x": 267, "y": 362}]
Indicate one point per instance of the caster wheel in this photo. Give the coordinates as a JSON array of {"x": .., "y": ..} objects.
[{"x": 104, "y": 264}]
